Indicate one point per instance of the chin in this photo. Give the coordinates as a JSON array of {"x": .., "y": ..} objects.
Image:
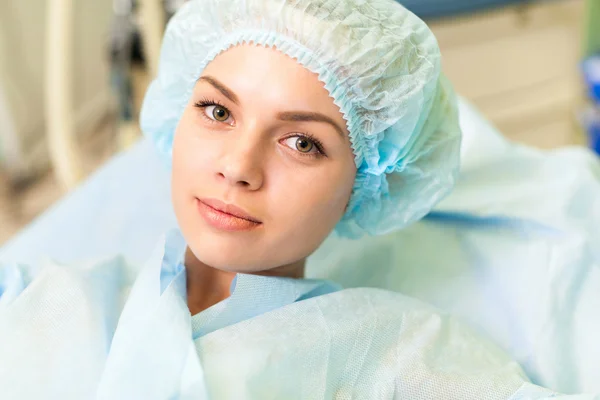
[{"x": 226, "y": 256}]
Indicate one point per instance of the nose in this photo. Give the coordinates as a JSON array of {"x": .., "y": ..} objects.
[{"x": 242, "y": 164}]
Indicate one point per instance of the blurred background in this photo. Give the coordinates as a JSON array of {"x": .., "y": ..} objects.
[{"x": 73, "y": 76}]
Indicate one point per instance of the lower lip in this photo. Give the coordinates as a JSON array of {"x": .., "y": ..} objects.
[{"x": 224, "y": 221}]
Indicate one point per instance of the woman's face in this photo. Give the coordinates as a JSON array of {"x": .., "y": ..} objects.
[{"x": 262, "y": 163}]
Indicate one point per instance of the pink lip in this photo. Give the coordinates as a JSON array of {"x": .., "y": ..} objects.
[{"x": 225, "y": 217}]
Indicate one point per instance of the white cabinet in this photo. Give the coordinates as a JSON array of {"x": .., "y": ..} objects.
[{"x": 519, "y": 66}]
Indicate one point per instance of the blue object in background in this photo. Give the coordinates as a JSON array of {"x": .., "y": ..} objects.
[
  {"x": 594, "y": 136},
  {"x": 591, "y": 74},
  {"x": 591, "y": 117},
  {"x": 592, "y": 125},
  {"x": 442, "y": 8}
]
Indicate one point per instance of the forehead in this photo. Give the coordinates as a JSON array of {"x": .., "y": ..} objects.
[{"x": 266, "y": 74}]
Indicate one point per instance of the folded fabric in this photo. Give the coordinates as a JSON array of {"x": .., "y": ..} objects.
[{"x": 84, "y": 332}]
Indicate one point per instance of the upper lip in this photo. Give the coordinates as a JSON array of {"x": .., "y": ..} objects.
[{"x": 229, "y": 209}]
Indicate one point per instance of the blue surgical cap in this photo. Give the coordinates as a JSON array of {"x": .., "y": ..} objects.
[{"x": 380, "y": 64}]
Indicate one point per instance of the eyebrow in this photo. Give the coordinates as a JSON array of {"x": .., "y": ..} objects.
[
  {"x": 294, "y": 116},
  {"x": 221, "y": 88},
  {"x": 307, "y": 116}
]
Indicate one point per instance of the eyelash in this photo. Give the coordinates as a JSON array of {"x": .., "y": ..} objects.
[
  {"x": 205, "y": 102},
  {"x": 320, "y": 152}
]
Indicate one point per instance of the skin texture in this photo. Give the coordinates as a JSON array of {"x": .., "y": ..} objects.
[{"x": 250, "y": 151}]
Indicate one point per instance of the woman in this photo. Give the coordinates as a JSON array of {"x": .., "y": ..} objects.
[{"x": 282, "y": 121}]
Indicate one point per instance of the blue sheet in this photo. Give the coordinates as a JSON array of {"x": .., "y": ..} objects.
[{"x": 123, "y": 208}]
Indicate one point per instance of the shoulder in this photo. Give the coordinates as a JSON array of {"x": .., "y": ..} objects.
[
  {"x": 409, "y": 319},
  {"x": 372, "y": 303},
  {"x": 365, "y": 341}
]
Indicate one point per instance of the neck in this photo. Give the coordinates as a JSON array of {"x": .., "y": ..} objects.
[{"x": 206, "y": 286}]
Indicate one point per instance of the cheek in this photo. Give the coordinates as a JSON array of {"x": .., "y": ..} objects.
[
  {"x": 316, "y": 199},
  {"x": 190, "y": 161},
  {"x": 179, "y": 170},
  {"x": 308, "y": 205},
  {"x": 191, "y": 158}
]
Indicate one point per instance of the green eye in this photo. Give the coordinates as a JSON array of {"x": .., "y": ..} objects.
[
  {"x": 220, "y": 114},
  {"x": 304, "y": 145}
]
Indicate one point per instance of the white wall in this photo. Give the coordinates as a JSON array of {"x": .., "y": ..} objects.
[{"x": 22, "y": 54}]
